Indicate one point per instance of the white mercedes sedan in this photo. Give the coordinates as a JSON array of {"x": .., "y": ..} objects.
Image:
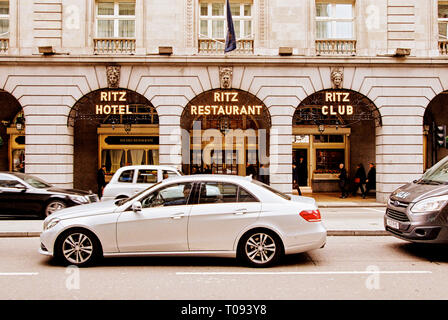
[{"x": 207, "y": 215}]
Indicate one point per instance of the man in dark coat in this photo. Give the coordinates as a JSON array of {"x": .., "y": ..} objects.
[
  {"x": 302, "y": 172},
  {"x": 101, "y": 180},
  {"x": 371, "y": 178},
  {"x": 343, "y": 181}
]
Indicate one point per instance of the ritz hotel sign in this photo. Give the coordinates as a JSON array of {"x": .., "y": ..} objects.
[
  {"x": 112, "y": 102},
  {"x": 231, "y": 108}
]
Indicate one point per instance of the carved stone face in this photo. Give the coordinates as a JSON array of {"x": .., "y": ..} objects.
[
  {"x": 113, "y": 76},
  {"x": 226, "y": 77}
]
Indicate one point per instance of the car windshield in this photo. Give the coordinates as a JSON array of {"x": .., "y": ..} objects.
[
  {"x": 121, "y": 202},
  {"x": 437, "y": 174},
  {"x": 280, "y": 194},
  {"x": 34, "y": 181}
]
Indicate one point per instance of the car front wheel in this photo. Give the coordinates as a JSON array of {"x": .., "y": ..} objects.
[
  {"x": 260, "y": 249},
  {"x": 54, "y": 206},
  {"x": 78, "y": 247}
]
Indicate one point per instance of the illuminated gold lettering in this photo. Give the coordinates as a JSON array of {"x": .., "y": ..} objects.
[
  {"x": 221, "y": 110},
  {"x": 346, "y": 97},
  {"x": 99, "y": 110},
  {"x": 217, "y": 97},
  {"x": 235, "y": 97},
  {"x": 341, "y": 109},
  {"x": 193, "y": 110},
  {"x": 325, "y": 110},
  {"x": 103, "y": 96},
  {"x": 328, "y": 97},
  {"x": 251, "y": 110},
  {"x": 123, "y": 96}
]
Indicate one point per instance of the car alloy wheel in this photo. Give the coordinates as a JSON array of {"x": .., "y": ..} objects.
[
  {"x": 78, "y": 248},
  {"x": 261, "y": 249},
  {"x": 54, "y": 206}
]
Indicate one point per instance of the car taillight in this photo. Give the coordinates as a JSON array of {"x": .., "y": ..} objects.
[{"x": 311, "y": 215}]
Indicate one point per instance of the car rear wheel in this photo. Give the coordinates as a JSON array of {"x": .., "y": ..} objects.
[
  {"x": 54, "y": 206},
  {"x": 78, "y": 247},
  {"x": 260, "y": 248}
]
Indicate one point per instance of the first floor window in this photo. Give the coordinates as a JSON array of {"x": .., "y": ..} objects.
[
  {"x": 115, "y": 19},
  {"x": 443, "y": 20}
]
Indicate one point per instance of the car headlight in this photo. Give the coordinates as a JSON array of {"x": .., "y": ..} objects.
[
  {"x": 429, "y": 205},
  {"x": 51, "y": 223},
  {"x": 79, "y": 199}
]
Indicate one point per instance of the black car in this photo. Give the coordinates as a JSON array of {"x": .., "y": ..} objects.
[
  {"x": 418, "y": 211},
  {"x": 25, "y": 195}
]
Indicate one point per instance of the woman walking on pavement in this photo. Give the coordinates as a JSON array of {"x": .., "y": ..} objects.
[
  {"x": 295, "y": 178},
  {"x": 360, "y": 179},
  {"x": 343, "y": 181}
]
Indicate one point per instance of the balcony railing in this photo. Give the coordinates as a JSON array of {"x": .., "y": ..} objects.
[
  {"x": 211, "y": 46},
  {"x": 443, "y": 47},
  {"x": 336, "y": 47},
  {"x": 4, "y": 45},
  {"x": 114, "y": 46}
]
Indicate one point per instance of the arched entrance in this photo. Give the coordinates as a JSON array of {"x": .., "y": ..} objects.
[
  {"x": 330, "y": 127},
  {"x": 227, "y": 133},
  {"x": 12, "y": 134},
  {"x": 434, "y": 118},
  {"x": 112, "y": 127}
]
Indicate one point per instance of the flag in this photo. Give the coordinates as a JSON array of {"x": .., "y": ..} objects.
[{"x": 230, "y": 38}]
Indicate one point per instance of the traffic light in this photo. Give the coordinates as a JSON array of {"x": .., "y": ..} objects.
[{"x": 441, "y": 136}]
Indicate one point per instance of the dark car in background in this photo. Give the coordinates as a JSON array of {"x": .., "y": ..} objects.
[
  {"x": 25, "y": 195},
  {"x": 418, "y": 211}
]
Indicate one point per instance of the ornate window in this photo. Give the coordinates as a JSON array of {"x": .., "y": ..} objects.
[
  {"x": 115, "y": 26},
  {"x": 443, "y": 20},
  {"x": 213, "y": 25}
]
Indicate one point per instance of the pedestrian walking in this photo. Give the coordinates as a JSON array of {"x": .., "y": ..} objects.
[
  {"x": 371, "y": 178},
  {"x": 296, "y": 178},
  {"x": 101, "y": 180},
  {"x": 264, "y": 174},
  {"x": 343, "y": 181},
  {"x": 359, "y": 180}
]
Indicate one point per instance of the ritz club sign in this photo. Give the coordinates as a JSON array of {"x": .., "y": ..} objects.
[
  {"x": 225, "y": 103},
  {"x": 338, "y": 104},
  {"x": 112, "y": 102}
]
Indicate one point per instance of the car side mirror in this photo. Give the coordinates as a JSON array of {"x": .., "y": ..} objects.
[
  {"x": 137, "y": 206},
  {"x": 20, "y": 187}
]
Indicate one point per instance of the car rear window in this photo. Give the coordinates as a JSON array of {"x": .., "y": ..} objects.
[
  {"x": 280, "y": 194},
  {"x": 147, "y": 176}
]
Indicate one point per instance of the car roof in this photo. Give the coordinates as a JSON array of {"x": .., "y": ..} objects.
[{"x": 211, "y": 177}]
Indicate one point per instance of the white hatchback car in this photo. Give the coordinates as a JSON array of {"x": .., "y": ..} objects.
[
  {"x": 208, "y": 215},
  {"x": 130, "y": 180}
]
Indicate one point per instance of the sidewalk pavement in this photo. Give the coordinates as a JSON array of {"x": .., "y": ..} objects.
[{"x": 341, "y": 217}]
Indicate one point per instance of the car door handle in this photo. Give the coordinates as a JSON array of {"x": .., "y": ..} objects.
[
  {"x": 178, "y": 215},
  {"x": 240, "y": 211}
]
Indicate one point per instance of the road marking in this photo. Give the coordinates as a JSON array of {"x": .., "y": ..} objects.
[
  {"x": 18, "y": 274},
  {"x": 303, "y": 273},
  {"x": 377, "y": 210}
]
